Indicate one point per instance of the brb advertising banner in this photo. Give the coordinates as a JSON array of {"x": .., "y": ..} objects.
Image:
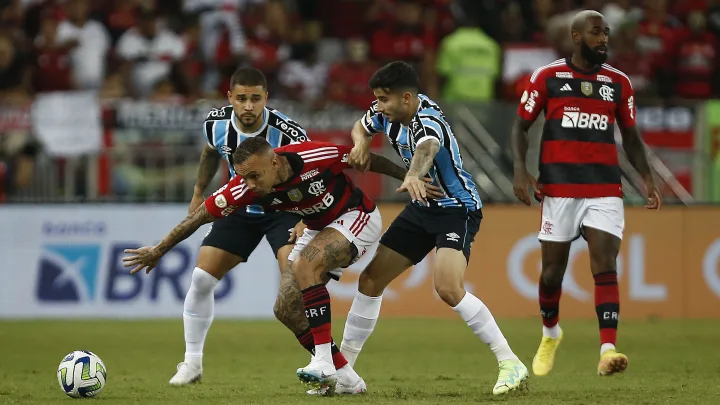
[
  {"x": 669, "y": 266},
  {"x": 66, "y": 261}
]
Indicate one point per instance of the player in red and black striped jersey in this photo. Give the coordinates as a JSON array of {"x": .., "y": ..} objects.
[
  {"x": 306, "y": 179},
  {"x": 580, "y": 182}
]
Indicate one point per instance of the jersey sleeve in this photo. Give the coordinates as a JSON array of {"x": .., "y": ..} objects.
[
  {"x": 425, "y": 129},
  {"x": 626, "y": 109},
  {"x": 373, "y": 121},
  {"x": 340, "y": 163},
  {"x": 534, "y": 97},
  {"x": 229, "y": 197},
  {"x": 208, "y": 132},
  {"x": 292, "y": 131}
]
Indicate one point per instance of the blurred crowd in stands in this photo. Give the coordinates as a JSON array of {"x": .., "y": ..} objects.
[{"x": 324, "y": 51}]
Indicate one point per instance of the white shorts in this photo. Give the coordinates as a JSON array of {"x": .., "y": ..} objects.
[
  {"x": 563, "y": 218},
  {"x": 359, "y": 228}
]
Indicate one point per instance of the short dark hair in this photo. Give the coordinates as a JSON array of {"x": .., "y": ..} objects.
[
  {"x": 248, "y": 76},
  {"x": 248, "y": 147},
  {"x": 395, "y": 76}
]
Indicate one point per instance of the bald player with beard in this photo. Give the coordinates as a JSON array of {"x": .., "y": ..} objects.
[{"x": 580, "y": 182}]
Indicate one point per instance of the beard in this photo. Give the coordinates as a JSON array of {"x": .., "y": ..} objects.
[
  {"x": 248, "y": 121},
  {"x": 592, "y": 56}
]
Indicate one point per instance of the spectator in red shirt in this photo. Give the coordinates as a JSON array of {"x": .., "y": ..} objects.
[
  {"x": 348, "y": 79},
  {"x": 627, "y": 56},
  {"x": 657, "y": 41},
  {"x": 52, "y": 60},
  {"x": 696, "y": 62},
  {"x": 404, "y": 37}
]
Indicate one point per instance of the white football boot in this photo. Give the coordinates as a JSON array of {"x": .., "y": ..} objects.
[
  {"x": 186, "y": 374},
  {"x": 320, "y": 374}
]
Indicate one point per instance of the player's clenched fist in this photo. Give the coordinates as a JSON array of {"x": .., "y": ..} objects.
[{"x": 360, "y": 158}]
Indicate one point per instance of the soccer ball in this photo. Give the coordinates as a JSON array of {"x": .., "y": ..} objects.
[{"x": 82, "y": 374}]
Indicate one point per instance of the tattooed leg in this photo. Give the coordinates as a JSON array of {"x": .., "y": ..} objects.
[{"x": 328, "y": 250}]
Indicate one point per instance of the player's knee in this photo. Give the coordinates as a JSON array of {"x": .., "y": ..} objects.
[
  {"x": 282, "y": 257},
  {"x": 552, "y": 276},
  {"x": 603, "y": 263},
  {"x": 450, "y": 291},
  {"x": 369, "y": 285},
  {"x": 202, "y": 281}
]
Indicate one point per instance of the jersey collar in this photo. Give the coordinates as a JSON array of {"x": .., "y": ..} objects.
[
  {"x": 264, "y": 118},
  {"x": 591, "y": 71}
]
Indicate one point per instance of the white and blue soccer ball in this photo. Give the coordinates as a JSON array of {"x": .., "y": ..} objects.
[{"x": 82, "y": 374}]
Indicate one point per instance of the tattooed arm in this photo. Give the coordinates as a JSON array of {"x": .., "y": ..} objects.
[
  {"x": 420, "y": 165},
  {"x": 184, "y": 229},
  {"x": 209, "y": 163},
  {"x": 150, "y": 255},
  {"x": 423, "y": 158},
  {"x": 381, "y": 164}
]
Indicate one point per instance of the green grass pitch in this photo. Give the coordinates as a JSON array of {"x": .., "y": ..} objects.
[{"x": 408, "y": 361}]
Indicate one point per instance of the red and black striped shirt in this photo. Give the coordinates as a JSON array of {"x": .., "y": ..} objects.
[{"x": 578, "y": 154}]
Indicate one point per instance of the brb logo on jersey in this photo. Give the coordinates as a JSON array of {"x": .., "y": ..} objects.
[{"x": 574, "y": 118}]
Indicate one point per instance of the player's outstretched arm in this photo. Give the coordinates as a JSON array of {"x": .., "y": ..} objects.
[
  {"x": 637, "y": 156},
  {"x": 381, "y": 164},
  {"x": 519, "y": 144},
  {"x": 209, "y": 164},
  {"x": 149, "y": 256}
]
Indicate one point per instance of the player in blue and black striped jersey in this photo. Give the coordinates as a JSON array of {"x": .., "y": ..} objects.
[
  {"x": 421, "y": 135},
  {"x": 232, "y": 239}
]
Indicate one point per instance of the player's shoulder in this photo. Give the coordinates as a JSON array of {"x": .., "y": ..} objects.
[
  {"x": 558, "y": 67},
  {"x": 428, "y": 106},
  {"x": 373, "y": 107},
  {"x": 277, "y": 117},
  {"x": 218, "y": 114},
  {"x": 307, "y": 147},
  {"x": 286, "y": 125},
  {"x": 613, "y": 74}
]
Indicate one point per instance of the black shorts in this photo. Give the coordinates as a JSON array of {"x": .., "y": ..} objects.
[
  {"x": 240, "y": 232},
  {"x": 417, "y": 230}
]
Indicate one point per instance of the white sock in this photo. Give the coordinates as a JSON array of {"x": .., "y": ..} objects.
[
  {"x": 483, "y": 325},
  {"x": 360, "y": 323},
  {"x": 605, "y": 347},
  {"x": 324, "y": 351},
  {"x": 552, "y": 332},
  {"x": 198, "y": 314}
]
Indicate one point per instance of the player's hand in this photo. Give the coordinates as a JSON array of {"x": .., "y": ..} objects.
[
  {"x": 359, "y": 158},
  {"x": 433, "y": 191},
  {"x": 522, "y": 182},
  {"x": 297, "y": 231},
  {"x": 197, "y": 199},
  {"x": 416, "y": 187},
  {"x": 654, "y": 201},
  {"x": 147, "y": 256}
]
